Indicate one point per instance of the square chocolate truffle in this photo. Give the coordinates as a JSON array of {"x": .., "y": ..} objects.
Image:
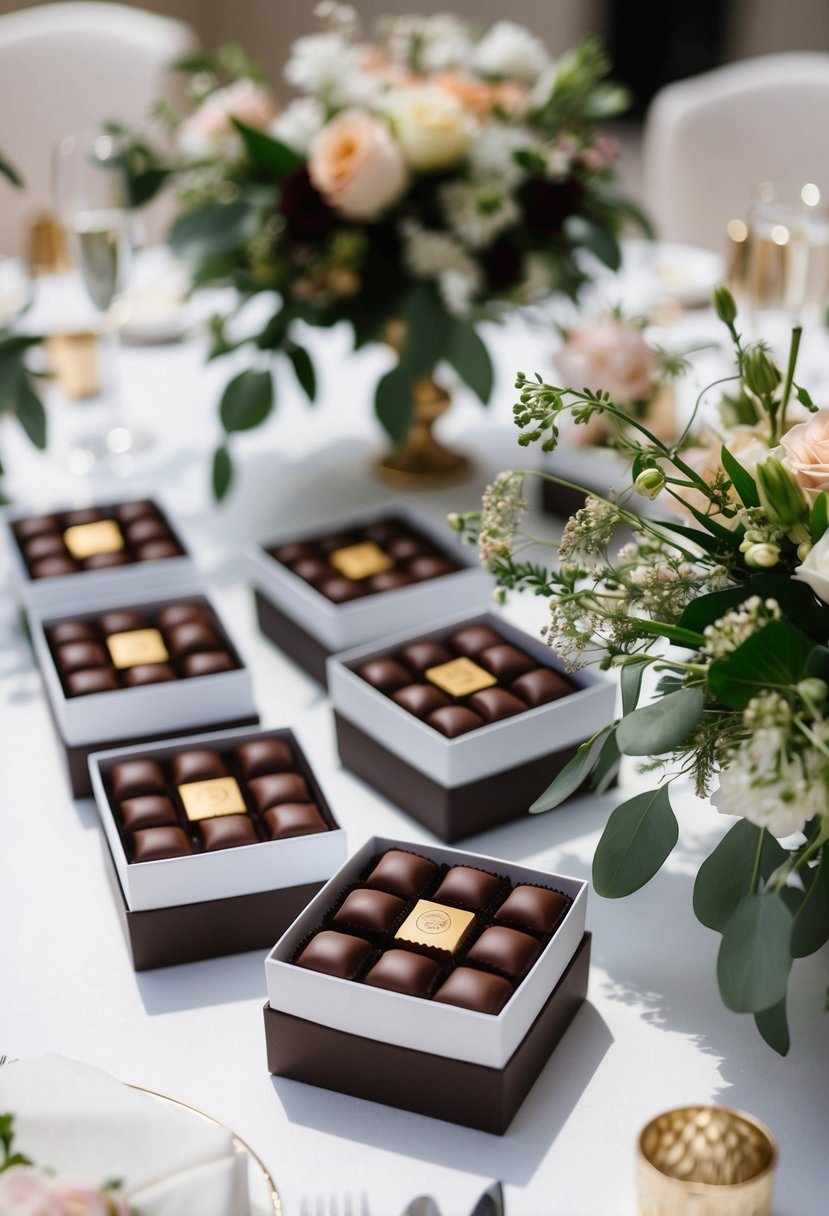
[
  {"x": 404, "y": 873},
  {"x": 373, "y": 910},
  {"x": 466, "y": 885},
  {"x": 536, "y": 908},
  {"x": 338, "y": 954},
  {"x": 508, "y": 950},
  {"x": 404, "y": 971},
  {"x": 476, "y": 990},
  {"x": 294, "y": 819}
]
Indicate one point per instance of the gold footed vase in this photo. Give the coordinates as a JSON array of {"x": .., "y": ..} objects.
[{"x": 422, "y": 462}]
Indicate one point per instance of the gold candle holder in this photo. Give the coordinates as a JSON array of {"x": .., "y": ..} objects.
[
  {"x": 705, "y": 1161},
  {"x": 75, "y": 361}
]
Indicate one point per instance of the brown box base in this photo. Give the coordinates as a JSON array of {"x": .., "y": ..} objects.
[
  {"x": 77, "y": 755},
  {"x": 453, "y": 1090},
  {"x": 164, "y": 937},
  {"x": 304, "y": 649},
  {"x": 451, "y": 813}
]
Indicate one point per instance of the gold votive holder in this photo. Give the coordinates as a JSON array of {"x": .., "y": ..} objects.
[
  {"x": 75, "y": 361},
  {"x": 48, "y": 250},
  {"x": 705, "y": 1161}
]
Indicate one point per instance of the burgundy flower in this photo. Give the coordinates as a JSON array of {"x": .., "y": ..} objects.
[
  {"x": 305, "y": 211},
  {"x": 547, "y": 204},
  {"x": 503, "y": 264}
]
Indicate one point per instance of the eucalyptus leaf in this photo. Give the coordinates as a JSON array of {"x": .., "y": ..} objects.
[
  {"x": 637, "y": 839},
  {"x": 393, "y": 402},
  {"x": 811, "y": 922},
  {"x": 31, "y": 413},
  {"x": 660, "y": 727},
  {"x": 571, "y": 777},
  {"x": 8, "y": 171},
  {"x": 267, "y": 152},
  {"x": 212, "y": 230},
  {"x": 303, "y": 370},
  {"x": 724, "y": 878},
  {"x": 470, "y": 358},
  {"x": 426, "y": 328},
  {"x": 606, "y": 767},
  {"x": 773, "y": 657},
  {"x": 755, "y": 956},
  {"x": 222, "y": 473},
  {"x": 631, "y": 684},
  {"x": 774, "y": 1027},
  {"x": 247, "y": 401},
  {"x": 596, "y": 238}
]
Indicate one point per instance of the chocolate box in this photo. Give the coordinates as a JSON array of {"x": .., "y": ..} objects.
[
  {"x": 476, "y": 780},
  {"x": 180, "y": 909},
  {"x": 413, "y": 1052},
  {"x": 309, "y": 626},
  {"x": 153, "y": 556},
  {"x": 134, "y": 715}
]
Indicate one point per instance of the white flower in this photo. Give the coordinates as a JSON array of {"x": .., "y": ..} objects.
[
  {"x": 815, "y": 568},
  {"x": 444, "y": 43},
  {"x": 328, "y": 66},
  {"x": 508, "y": 49},
  {"x": 299, "y": 123},
  {"x": 209, "y": 131},
  {"x": 458, "y": 289},
  {"x": 768, "y": 787},
  {"x": 492, "y": 153},
  {"x": 476, "y": 213},
  {"x": 433, "y": 128},
  {"x": 427, "y": 253}
]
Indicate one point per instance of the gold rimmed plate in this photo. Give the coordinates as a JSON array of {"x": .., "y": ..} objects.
[{"x": 264, "y": 1197}]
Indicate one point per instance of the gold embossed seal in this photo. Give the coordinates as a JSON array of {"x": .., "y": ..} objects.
[
  {"x": 209, "y": 799},
  {"x": 431, "y": 924},
  {"x": 137, "y": 646},
  {"x": 460, "y": 677},
  {"x": 360, "y": 561}
]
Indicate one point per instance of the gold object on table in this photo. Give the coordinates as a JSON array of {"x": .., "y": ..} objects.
[
  {"x": 360, "y": 561},
  {"x": 48, "y": 250},
  {"x": 421, "y": 462},
  {"x": 75, "y": 362},
  {"x": 431, "y": 924},
  {"x": 460, "y": 677},
  {"x": 705, "y": 1161},
  {"x": 85, "y": 540},
  {"x": 209, "y": 799},
  {"x": 137, "y": 646}
]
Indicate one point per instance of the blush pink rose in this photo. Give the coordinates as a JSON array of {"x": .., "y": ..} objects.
[
  {"x": 805, "y": 452},
  {"x": 26, "y": 1191},
  {"x": 209, "y": 130},
  {"x": 749, "y": 444},
  {"x": 610, "y": 355},
  {"x": 85, "y": 1201},
  {"x": 357, "y": 166}
]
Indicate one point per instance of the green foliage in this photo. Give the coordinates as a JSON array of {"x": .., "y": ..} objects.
[
  {"x": 18, "y": 392},
  {"x": 774, "y": 657},
  {"x": 247, "y": 401},
  {"x": 755, "y": 955},
  {"x": 470, "y": 358},
  {"x": 811, "y": 922},
  {"x": 662, "y": 726},
  {"x": 741, "y": 479},
  {"x": 8, "y": 171},
  {"x": 725, "y": 877},
  {"x": 637, "y": 839},
  {"x": 599, "y": 239},
  {"x": 267, "y": 153},
  {"x": 631, "y": 683},
  {"x": 213, "y": 229},
  {"x": 303, "y": 370},
  {"x": 774, "y": 1027},
  {"x": 571, "y": 777},
  {"x": 222, "y": 472}
]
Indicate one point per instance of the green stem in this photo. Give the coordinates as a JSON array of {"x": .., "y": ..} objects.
[
  {"x": 758, "y": 852},
  {"x": 692, "y": 419},
  {"x": 794, "y": 348}
]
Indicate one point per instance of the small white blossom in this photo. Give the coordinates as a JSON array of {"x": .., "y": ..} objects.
[
  {"x": 458, "y": 290},
  {"x": 492, "y": 153},
  {"x": 477, "y": 213},
  {"x": 737, "y": 626},
  {"x": 503, "y": 508},
  {"x": 428, "y": 254},
  {"x": 444, "y": 43},
  {"x": 328, "y": 66},
  {"x": 771, "y": 788},
  {"x": 509, "y": 49},
  {"x": 299, "y": 123}
]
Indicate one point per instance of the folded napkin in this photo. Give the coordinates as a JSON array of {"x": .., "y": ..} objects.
[{"x": 86, "y": 1126}]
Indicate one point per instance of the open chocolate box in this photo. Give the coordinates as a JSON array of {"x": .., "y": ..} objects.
[
  {"x": 430, "y": 979},
  {"x": 465, "y": 725},
  {"x": 327, "y": 588},
  {"x": 214, "y": 843},
  {"x": 89, "y": 555},
  {"x": 136, "y": 671}
]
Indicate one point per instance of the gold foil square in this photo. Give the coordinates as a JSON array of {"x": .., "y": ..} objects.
[
  {"x": 137, "y": 646},
  {"x": 360, "y": 561},
  {"x": 85, "y": 540},
  {"x": 208, "y": 799},
  {"x": 460, "y": 677},
  {"x": 431, "y": 924}
]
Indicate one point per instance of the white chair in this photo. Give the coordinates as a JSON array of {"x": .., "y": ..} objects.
[
  {"x": 70, "y": 67},
  {"x": 710, "y": 139}
]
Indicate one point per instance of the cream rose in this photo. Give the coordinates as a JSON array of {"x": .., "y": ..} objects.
[
  {"x": 433, "y": 128},
  {"x": 210, "y": 131},
  {"x": 815, "y": 569},
  {"x": 357, "y": 166},
  {"x": 804, "y": 450},
  {"x": 611, "y": 355}
]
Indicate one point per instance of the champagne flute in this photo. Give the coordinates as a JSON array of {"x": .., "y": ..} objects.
[
  {"x": 92, "y": 203},
  {"x": 787, "y": 270}
]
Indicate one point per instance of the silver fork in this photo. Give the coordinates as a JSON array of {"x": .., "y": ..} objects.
[{"x": 333, "y": 1205}]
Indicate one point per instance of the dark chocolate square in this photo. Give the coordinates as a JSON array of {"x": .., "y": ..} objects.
[
  {"x": 373, "y": 910},
  {"x": 466, "y": 885},
  {"x": 476, "y": 990},
  {"x": 338, "y": 954},
  {"x": 509, "y": 950},
  {"x": 227, "y": 832},
  {"x": 294, "y": 819},
  {"x": 404, "y": 873},
  {"x": 404, "y": 971},
  {"x": 535, "y": 908}
]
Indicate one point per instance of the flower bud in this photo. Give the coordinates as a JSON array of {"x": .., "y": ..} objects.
[
  {"x": 760, "y": 372},
  {"x": 650, "y": 483},
  {"x": 763, "y": 557},
  {"x": 780, "y": 496},
  {"x": 724, "y": 305},
  {"x": 804, "y": 549},
  {"x": 813, "y": 689},
  {"x": 455, "y": 522}
]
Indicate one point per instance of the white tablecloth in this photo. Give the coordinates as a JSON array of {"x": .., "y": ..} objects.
[{"x": 653, "y": 1034}]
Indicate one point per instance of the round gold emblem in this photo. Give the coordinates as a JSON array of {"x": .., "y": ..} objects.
[{"x": 434, "y": 921}]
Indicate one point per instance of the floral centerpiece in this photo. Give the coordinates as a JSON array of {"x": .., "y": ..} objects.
[
  {"x": 425, "y": 178},
  {"x": 726, "y": 600},
  {"x": 29, "y": 1190}
]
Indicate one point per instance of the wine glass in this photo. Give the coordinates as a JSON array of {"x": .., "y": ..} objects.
[
  {"x": 92, "y": 203},
  {"x": 787, "y": 268}
]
